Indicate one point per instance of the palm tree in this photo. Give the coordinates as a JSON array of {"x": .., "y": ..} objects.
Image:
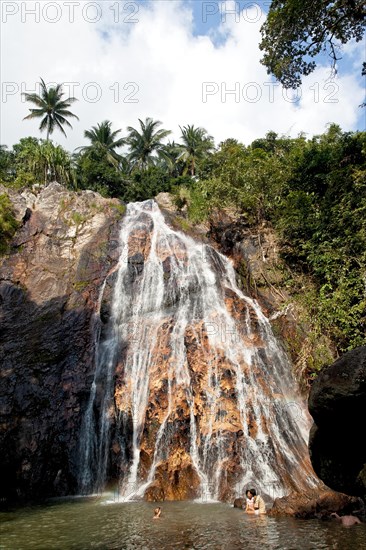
[
  {"x": 196, "y": 145},
  {"x": 52, "y": 107},
  {"x": 105, "y": 141},
  {"x": 145, "y": 144},
  {"x": 170, "y": 155}
]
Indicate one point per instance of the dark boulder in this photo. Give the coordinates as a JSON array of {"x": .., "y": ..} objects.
[{"x": 337, "y": 404}]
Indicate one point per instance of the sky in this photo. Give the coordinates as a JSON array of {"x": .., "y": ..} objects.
[{"x": 180, "y": 62}]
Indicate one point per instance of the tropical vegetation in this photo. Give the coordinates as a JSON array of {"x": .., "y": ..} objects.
[
  {"x": 310, "y": 192},
  {"x": 146, "y": 145}
]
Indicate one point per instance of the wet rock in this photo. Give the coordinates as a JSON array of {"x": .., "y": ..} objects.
[
  {"x": 316, "y": 504},
  {"x": 50, "y": 299},
  {"x": 239, "y": 503},
  {"x": 176, "y": 479},
  {"x": 135, "y": 266},
  {"x": 337, "y": 404},
  {"x": 154, "y": 493}
]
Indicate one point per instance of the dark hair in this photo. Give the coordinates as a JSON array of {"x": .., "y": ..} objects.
[{"x": 253, "y": 491}]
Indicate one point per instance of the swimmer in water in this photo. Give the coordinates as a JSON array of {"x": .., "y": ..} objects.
[
  {"x": 157, "y": 513},
  {"x": 347, "y": 521}
]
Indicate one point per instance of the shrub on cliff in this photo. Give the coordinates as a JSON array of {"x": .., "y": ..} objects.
[{"x": 8, "y": 223}]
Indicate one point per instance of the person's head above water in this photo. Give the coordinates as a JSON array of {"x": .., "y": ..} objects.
[
  {"x": 250, "y": 493},
  {"x": 157, "y": 512}
]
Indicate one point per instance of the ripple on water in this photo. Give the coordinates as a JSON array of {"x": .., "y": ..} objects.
[{"x": 87, "y": 524}]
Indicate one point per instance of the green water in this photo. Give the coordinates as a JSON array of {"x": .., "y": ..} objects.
[{"x": 93, "y": 523}]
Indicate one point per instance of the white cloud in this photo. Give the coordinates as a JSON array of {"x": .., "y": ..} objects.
[{"x": 168, "y": 65}]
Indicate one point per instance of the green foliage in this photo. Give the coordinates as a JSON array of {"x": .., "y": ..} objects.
[
  {"x": 6, "y": 164},
  {"x": 104, "y": 142},
  {"x": 314, "y": 193},
  {"x": 321, "y": 219},
  {"x": 80, "y": 285},
  {"x": 145, "y": 145},
  {"x": 120, "y": 207},
  {"x": 170, "y": 159},
  {"x": 192, "y": 197},
  {"x": 297, "y": 30},
  {"x": 196, "y": 145},
  {"x": 8, "y": 224},
  {"x": 248, "y": 178},
  {"x": 34, "y": 161},
  {"x": 146, "y": 184},
  {"x": 95, "y": 171},
  {"x": 78, "y": 218}
]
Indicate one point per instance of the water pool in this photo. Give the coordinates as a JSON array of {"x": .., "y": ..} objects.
[{"x": 96, "y": 524}]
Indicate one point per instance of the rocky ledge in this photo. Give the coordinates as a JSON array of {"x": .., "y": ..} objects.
[{"x": 317, "y": 504}]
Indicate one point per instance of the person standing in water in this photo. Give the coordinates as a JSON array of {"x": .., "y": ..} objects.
[
  {"x": 157, "y": 513},
  {"x": 255, "y": 503},
  {"x": 249, "y": 508}
]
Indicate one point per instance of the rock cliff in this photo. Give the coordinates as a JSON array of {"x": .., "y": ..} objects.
[{"x": 49, "y": 287}]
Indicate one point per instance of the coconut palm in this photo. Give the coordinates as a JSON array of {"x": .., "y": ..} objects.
[
  {"x": 170, "y": 155},
  {"x": 103, "y": 140},
  {"x": 196, "y": 145},
  {"x": 51, "y": 107},
  {"x": 146, "y": 145}
]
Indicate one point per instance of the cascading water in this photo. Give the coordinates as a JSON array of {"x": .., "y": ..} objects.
[{"x": 192, "y": 396}]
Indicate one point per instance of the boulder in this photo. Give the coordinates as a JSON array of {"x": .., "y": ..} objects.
[
  {"x": 239, "y": 503},
  {"x": 319, "y": 503},
  {"x": 337, "y": 404}
]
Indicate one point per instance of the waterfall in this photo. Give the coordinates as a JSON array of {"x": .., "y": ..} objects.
[{"x": 192, "y": 396}]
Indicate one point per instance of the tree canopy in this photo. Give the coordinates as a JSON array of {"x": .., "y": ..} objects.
[
  {"x": 297, "y": 30},
  {"x": 196, "y": 145},
  {"x": 146, "y": 145},
  {"x": 104, "y": 140}
]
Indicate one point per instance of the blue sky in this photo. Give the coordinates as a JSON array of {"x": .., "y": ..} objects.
[{"x": 181, "y": 62}]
